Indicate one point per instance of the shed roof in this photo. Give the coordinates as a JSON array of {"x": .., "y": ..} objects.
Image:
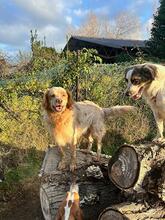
[{"x": 115, "y": 43}]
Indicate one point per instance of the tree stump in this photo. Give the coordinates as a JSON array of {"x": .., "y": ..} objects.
[{"x": 96, "y": 190}]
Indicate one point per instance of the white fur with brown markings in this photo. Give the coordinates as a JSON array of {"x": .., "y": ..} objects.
[{"x": 153, "y": 92}]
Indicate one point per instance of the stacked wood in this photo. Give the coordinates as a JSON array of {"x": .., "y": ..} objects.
[
  {"x": 133, "y": 211},
  {"x": 111, "y": 214},
  {"x": 140, "y": 172},
  {"x": 130, "y": 185},
  {"x": 95, "y": 189}
]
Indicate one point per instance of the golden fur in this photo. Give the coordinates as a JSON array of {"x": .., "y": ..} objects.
[{"x": 68, "y": 121}]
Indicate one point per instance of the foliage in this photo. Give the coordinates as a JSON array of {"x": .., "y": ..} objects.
[
  {"x": 19, "y": 165},
  {"x": 78, "y": 68},
  {"x": 157, "y": 41},
  {"x": 43, "y": 57},
  {"x": 103, "y": 84}
]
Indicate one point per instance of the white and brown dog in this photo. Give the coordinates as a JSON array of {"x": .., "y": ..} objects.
[
  {"x": 69, "y": 208},
  {"x": 148, "y": 80}
]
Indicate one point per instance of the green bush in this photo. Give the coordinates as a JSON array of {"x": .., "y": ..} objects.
[
  {"x": 21, "y": 123},
  {"x": 103, "y": 84}
]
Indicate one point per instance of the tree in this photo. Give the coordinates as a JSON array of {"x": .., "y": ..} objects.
[
  {"x": 126, "y": 26},
  {"x": 157, "y": 41},
  {"x": 43, "y": 57},
  {"x": 90, "y": 28},
  {"x": 123, "y": 26}
]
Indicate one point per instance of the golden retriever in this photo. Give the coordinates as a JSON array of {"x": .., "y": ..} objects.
[
  {"x": 68, "y": 121},
  {"x": 148, "y": 80}
]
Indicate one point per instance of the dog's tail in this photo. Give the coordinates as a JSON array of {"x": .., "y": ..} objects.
[{"x": 118, "y": 110}]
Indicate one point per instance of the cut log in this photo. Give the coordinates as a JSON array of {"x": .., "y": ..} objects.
[
  {"x": 123, "y": 170},
  {"x": 111, "y": 214},
  {"x": 123, "y": 167},
  {"x": 136, "y": 211},
  {"x": 137, "y": 170},
  {"x": 95, "y": 189}
]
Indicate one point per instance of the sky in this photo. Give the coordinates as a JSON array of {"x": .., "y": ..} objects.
[{"x": 51, "y": 18}]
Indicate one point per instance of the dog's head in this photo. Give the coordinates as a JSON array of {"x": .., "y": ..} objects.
[
  {"x": 138, "y": 77},
  {"x": 57, "y": 99},
  {"x": 70, "y": 206}
]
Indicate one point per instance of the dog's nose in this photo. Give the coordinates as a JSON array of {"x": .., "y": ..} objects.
[
  {"x": 59, "y": 101},
  {"x": 127, "y": 93}
]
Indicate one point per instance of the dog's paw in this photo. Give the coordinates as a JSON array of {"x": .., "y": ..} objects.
[
  {"x": 73, "y": 166},
  {"x": 61, "y": 165}
]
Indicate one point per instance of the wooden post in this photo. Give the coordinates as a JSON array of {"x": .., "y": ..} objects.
[{"x": 77, "y": 88}]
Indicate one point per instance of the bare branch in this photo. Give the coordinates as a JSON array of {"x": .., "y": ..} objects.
[
  {"x": 9, "y": 111},
  {"x": 126, "y": 25}
]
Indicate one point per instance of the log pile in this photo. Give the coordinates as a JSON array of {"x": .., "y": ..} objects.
[
  {"x": 140, "y": 172},
  {"x": 95, "y": 189},
  {"x": 130, "y": 185}
]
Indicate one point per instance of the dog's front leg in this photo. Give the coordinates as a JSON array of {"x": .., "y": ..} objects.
[
  {"x": 90, "y": 143},
  {"x": 62, "y": 164},
  {"x": 73, "y": 152},
  {"x": 99, "y": 146},
  {"x": 73, "y": 158},
  {"x": 159, "y": 122}
]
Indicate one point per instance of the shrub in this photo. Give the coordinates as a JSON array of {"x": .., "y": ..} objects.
[{"x": 103, "y": 84}]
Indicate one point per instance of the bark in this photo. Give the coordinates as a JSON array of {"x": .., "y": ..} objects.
[
  {"x": 130, "y": 185},
  {"x": 95, "y": 189}
]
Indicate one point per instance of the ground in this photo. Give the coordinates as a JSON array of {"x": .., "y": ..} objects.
[
  {"x": 19, "y": 192},
  {"x": 24, "y": 203}
]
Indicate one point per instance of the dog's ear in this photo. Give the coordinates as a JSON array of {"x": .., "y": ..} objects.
[
  {"x": 70, "y": 100},
  {"x": 126, "y": 71},
  {"x": 45, "y": 102},
  {"x": 149, "y": 72}
]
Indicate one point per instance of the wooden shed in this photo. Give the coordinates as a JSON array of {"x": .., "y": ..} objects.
[{"x": 107, "y": 48}]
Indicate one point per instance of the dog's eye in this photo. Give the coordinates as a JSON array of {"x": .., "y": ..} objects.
[
  {"x": 136, "y": 81},
  {"x": 63, "y": 95},
  {"x": 52, "y": 95}
]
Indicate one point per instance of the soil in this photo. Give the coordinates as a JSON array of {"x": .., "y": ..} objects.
[{"x": 24, "y": 203}]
